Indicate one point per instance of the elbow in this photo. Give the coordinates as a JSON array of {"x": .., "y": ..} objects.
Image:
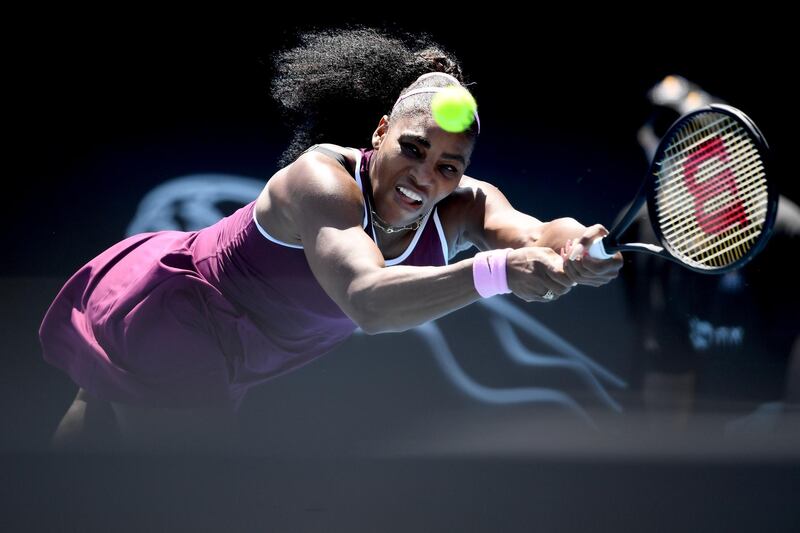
[
  {"x": 370, "y": 316},
  {"x": 371, "y": 321},
  {"x": 373, "y": 309},
  {"x": 370, "y": 327},
  {"x": 369, "y": 330},
  {"x": 362, "y": 313},
  {"x": 381, "y": 323},
  {"x": 374, "y": 328}
]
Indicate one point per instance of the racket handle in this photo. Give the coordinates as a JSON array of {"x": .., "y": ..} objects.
[{"x": 598, "y": 251}]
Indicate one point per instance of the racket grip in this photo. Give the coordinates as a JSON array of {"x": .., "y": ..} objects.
[{"x": 598, "y": 251}]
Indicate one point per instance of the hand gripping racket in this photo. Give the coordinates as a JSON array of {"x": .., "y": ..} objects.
[{"x": 708, "y": 196}]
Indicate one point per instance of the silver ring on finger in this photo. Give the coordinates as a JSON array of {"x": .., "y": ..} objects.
[{"x": 549, "y": 295}]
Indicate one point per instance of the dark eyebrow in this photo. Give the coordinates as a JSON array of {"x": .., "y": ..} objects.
[{"x": 427, "y": 144}]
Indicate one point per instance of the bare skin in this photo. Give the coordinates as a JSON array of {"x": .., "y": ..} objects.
[
  {"x": 88, "y": 425},
  {"x": 92, "y": 424},
  {"x": 315, "y": 203}
]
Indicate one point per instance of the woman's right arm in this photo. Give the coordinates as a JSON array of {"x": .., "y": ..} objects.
[{"x": 327, "y": 210}]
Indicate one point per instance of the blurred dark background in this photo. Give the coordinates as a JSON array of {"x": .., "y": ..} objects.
[{"x": 99, "y": 116}]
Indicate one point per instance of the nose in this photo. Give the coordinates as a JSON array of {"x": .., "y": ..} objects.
[
  {"x": 424, "y": 177},
  {"x": 423, "y": 185}
]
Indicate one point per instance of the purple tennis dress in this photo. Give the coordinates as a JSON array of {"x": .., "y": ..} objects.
[{"x": 194, "y": 319}]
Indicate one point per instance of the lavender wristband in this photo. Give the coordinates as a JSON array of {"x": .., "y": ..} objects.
[{"x": 489, "y": 272}]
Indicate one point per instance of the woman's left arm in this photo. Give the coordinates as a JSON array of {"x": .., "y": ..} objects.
[{"x": 489, "y": 222}]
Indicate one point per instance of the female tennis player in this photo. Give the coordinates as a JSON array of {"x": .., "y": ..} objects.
[{"x": 170, "y": 326}]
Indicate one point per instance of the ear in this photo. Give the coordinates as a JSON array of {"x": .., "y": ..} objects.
[{"x": 380, "y": 132}]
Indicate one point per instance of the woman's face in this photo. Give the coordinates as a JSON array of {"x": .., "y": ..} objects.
[{"x": 415, "y": 157}]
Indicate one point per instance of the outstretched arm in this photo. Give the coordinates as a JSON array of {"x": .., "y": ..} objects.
[
  {"x": 491, "y": 222},
  {"x": 327, "y": 210}
]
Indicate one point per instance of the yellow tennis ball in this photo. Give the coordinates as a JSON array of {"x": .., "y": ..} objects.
[{"x": 453, "y": 108}]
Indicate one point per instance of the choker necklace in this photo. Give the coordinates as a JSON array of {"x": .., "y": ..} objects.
[
  {"x": 381, "y": 224},
  {"x": 384, "y": 226}
]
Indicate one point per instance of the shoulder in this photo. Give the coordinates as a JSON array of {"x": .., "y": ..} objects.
[
  {"x": 313, "y": 189},
  {"x": 351, "y": 154},
  {"x": 316, "y": 184},
  {"x": 315, "y": 170},
  {"x": 469, "y": 193},
  {"x": 468, "y": 200}
]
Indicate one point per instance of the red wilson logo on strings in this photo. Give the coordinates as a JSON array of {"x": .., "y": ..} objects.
[{"x": 732, "y": 212}]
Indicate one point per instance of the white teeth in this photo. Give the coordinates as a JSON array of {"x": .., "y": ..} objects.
[{"x": 411, "y": 194}]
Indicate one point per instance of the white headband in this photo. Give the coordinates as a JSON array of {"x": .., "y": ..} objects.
[{"x": 435, "y": 90}]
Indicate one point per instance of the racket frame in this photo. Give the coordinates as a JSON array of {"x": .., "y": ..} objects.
[{"x": 647, "y": 193}]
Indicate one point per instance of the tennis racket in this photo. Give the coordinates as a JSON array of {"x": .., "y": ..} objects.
[{"x": 709, "y": 200}]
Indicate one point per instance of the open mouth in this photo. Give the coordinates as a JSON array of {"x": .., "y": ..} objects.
[{"x": 408, "y": 196}]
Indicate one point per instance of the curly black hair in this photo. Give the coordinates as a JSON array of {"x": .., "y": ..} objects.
[{"x": 336, "y": 83}]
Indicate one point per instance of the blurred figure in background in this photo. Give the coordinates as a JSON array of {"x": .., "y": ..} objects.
[{"x": 715, "y": 343}]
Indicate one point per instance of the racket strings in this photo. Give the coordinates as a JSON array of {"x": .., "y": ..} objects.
[
  {"x": 711, "y": 191},
  {"x": 671, "y": 181},
  {"x": 711, "y": 230},
  {"x": 723, "y": 219},
  {"x": 733, "y": 141},
  {"x": 714, "y": 197},
  {"x": 739, "y": 212}
]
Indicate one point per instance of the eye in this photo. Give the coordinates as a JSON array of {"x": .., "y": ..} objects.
[
  {"x": 450, "y": 168},
  {"x": 410, "y": 148}
]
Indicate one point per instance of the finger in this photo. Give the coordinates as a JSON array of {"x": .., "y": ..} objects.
[
  {"x": 595, "y": 264},
  {"x": 586, "y": 265},
  {"x": 594, "y": 272},
  {"x": 559, "y": 280},
  {"x": 600, "y": 267},
  {"x": 576, "y": 250},
  {"x": 554, "y": 294},
  {"x": 591, "y": 234},
  {"x": 589, "y": 267},
  {"x": 553, "y": 260},
  {"x": 573, "y": 272},
  {"x": 568, "y": 247},
  {"x": 579, "y": 274},
  {"x": 550, "y": 280}
]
